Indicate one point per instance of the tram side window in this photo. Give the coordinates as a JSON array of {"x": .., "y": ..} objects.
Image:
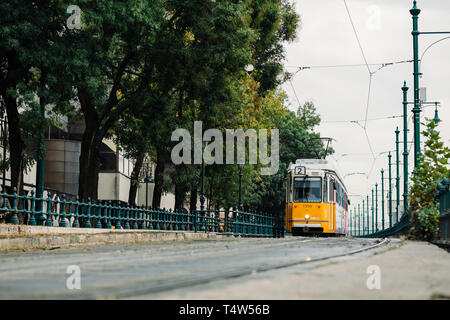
[
  {"x": 325, "y": 190},
  {"x": 308, "y": 189},
  {"x": 338, "y": 200},
  {"x": 339, "y": 194},
  {"x": 288, "y": 189},
  {"x": 331, "y": 197}
]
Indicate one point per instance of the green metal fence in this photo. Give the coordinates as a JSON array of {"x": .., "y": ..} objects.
[
  {"x": 444, "y": 206},
  {"x": 61, "y": 212},
  {"x": 400, "y": 228}
]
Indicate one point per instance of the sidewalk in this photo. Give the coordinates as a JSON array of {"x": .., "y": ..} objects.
[{"x": 414, "y": 270}]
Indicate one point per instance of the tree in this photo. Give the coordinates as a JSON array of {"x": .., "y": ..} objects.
[
  {"x": 267, "y": 193},
  {"x": 108, "y": 66},
  {"x": 433, "y": 167},
  {"x": 275, "y": 22},
  {"x": 29, "y": 47},
  {"x": 200, "y": 47},
  {"x": 132, "y": 135}
]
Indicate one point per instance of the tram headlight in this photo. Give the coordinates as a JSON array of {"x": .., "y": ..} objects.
[{"x": 306, "y": 216}]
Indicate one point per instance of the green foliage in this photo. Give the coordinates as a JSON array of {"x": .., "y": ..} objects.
[
  {"x": 433, "y": 166},
  {"x": 275, "y": 22},
  {"x": 137, "y": 70},
  {"x": 267, "y": 193}
]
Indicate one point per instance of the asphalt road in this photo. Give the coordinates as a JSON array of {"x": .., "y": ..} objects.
[{"x": 152, "y": 269}]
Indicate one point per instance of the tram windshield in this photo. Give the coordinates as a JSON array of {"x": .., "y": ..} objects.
[{"x": 308, "y": 189}]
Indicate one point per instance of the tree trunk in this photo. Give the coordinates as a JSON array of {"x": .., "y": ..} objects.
[
  {"x": 159, "y": 179},
  {"x": 193, "y": 198},
  {"x": 97, "y": 125},
  {"x": 16, "y": 144},
  {"x": 89, "y": 156},
  {"x": 180, "y": 195},
  {"x": 210, "y": 195},
  {"x": 89, "y": 171},
  {"x": 134, "y": 179}
]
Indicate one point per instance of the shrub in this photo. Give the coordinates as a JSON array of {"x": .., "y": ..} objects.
[{"x": 433, "y": 166}]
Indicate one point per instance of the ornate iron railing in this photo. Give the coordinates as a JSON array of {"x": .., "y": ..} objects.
[
  {"x": 60, "y": 212},
  {"x": 444, "y": 206},
  {"x": 402, "y": 227}
]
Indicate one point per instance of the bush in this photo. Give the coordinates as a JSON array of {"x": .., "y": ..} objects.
[{"x": 423, "y": 206}]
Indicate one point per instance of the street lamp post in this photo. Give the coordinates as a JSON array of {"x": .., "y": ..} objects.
[
  {"x": 202, "y": 191},
  {"x": 202, "y": 197},
  {"x": 241, "y": 166},
  {"x": 368, "y": 215},
  {"x": 436, "y": 115},
  {"x": 382, "y": 199},
  {"x": 390, "y": 190},
  {"x": 148, "y": 177},
  {"x": 416, "y": 110},
  {"x": 4, "y": 137},
  {"x": 364, "y": 217},
  {"x": 405, "y": 148},
  {"x": 373, "y": 209},
  {"x": 40, "y": 166},
  {"x": 359, "y": 219},
  {"x": 397, "y": 179},
  {"x": 376, "y": 206}
]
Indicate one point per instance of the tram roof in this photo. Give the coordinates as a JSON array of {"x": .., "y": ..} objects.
[{"x": 316, "y": 164}]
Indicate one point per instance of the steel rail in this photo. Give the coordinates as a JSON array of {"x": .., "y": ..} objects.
[
  {"x": 141, "y": 286},
  {"x": 229, "y": 274}
]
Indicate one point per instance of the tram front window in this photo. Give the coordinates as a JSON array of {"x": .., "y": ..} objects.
[{"x": 308, "y": 189}]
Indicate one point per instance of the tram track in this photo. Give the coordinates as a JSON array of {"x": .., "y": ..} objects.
[
  {"x": 150, "y": 270},
  {"x": 242, "y": 273}
]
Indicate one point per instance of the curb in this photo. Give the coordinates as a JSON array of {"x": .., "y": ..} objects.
[
  {"x": 444, "y": 244},
  {"x": 35, "y": 237}
]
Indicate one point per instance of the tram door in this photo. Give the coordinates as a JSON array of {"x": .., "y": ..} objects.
[
  {"x": 330, "y": 202},
  {"x": 333, "y": 197}
]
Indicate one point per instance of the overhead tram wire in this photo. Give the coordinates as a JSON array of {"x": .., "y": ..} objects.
[
  {"x": 352, "y": 121},
  {"x": 381, "y": 65},
  {"x": 357, "y": 38},
  {"x": 370, "y": 77},
  {"x": 371, "y": 73},
  {"x": 375, "y": 119}
]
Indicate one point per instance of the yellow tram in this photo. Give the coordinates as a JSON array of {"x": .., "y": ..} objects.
[{"x": 316, "y": 198}]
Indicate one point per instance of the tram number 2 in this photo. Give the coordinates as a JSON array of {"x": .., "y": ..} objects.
[{"x": 247, "y": 309}]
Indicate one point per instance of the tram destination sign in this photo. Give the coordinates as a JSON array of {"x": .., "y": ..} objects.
[{"x": 300, "y": 170}]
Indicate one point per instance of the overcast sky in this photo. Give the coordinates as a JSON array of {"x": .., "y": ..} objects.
[{"x": 326, "y": 37}]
